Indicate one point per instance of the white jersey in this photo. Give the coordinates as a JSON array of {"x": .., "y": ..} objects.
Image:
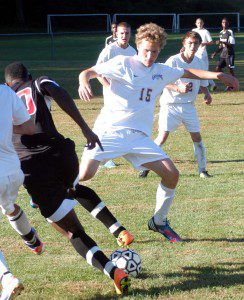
[
  {"x": 206, "y": 38},
  {"x": 113, "y": 50},
  {"x": 12, "y": 112},
  {"x": 134, "y": 89},
  {"x": 169, "y": 96}
]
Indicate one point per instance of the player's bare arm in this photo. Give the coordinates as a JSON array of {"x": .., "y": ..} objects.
[
  {"x": 85, "y": 91},
  {"x": 103, "y": 81},
  {"x": 67, "y": 104},
  {"x": 207, "y": 43},
  {"x": 27, "y": 127},
  {"x": 207, "y": 96},
  {"x": 226, "y": 79},
  {"x": 182, "y": 88}
]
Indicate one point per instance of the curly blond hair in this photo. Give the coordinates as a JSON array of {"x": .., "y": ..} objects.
[{"x": 151, "y": 32}]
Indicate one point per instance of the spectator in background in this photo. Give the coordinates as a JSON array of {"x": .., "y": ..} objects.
[
  {"x": 226, "y": 44},
  {"x": 13, "y": 112},
  {"x": 112, "y": 38},
  {"x": 202, "y": 50}
]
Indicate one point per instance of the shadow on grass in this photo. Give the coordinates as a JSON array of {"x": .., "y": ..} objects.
[
  {"x": 183, "y": 161},
  {"x": 241, "y": 240},
  {"x": 189, "y": 278},
  {"x": 162, "y": 241},
  {"x": 228, "y": 104},
  {"x": 225, "y": 161}
]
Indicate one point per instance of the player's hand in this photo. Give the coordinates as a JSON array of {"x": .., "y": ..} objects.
[
  {"x": 229, "y": 81},
  {"x": 85, "y": 91},
  {"x": 92, "y": 139},
  {"x": 184, "y": 88},
  {"x": 207, "y": 99},
  {"x": 217, "y": 42},
  {"x": 212, "y": 56}
]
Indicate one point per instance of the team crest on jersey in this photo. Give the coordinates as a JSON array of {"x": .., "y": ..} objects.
[{"x": 157, "y": 76}]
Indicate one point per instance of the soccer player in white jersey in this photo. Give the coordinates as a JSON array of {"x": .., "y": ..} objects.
[
  {"x": 177, "y": 101},
  {"x": 120, "y": 47},
  {"x": 202, "y": 49},
  {"x": 13, "y": 112},
  {"x": 126, "y": 120}
]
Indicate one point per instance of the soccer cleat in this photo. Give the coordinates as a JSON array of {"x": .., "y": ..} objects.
[
  {"x": 11, "y": 289},
  {"x": 205, "y": 174},
  {"x": 121, "y": 282},
  {"x": 110, "y": 164},
  {"x": 125, "y": 238},
  {"x": 143, "y": 174},
  {"x": 36, "y": 249},
  {"x": 165, "y": 230}
]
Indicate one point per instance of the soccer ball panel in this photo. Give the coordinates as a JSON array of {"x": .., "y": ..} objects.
[
  {"x": 121, "y": 263},
  {"x": 136, "y": 258},
  {"x": 127, "y": 260},
  {"x": 127, "y": 254}
]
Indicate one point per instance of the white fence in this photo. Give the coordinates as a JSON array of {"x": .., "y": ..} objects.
[{"x": 177, "y": 23}]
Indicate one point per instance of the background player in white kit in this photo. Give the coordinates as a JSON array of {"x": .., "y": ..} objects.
[
  {"x": 202, "y": 50},
  {"x": 119, "y": 47},
  {"x": 127, "y": 117},
  {"x": 13, "y": 112},
  {"x": 177, "y": 101}
]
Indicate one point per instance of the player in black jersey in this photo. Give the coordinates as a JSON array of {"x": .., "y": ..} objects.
[
  {"x": 51, "y": 166},
  {"x": 226, "y": 44},
  {"x": 112, "y": 38}
]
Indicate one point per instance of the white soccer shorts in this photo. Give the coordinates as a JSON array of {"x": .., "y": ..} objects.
[
  {"x": 171, "y": 116},
  {"x": 135, "y": 146},
  {"x": 9, "y": 188}
]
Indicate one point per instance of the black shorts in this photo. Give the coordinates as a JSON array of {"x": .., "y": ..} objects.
[
  {"x": 229, "y": 62},
  {"x": 49, "y": 175}
]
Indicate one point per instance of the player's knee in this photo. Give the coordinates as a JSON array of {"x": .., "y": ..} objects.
[
  {"x": 171, "y": 179},
  {"x": 71, "y": 227},
  {"x": 85, "y": 192},
  {"x": 85, "y": 175},
  {"x": 175, "y": 177},
  {"x": 8, "y": 209}
]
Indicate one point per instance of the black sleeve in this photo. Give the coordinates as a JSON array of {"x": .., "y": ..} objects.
[{"x": 40, "y": 84}]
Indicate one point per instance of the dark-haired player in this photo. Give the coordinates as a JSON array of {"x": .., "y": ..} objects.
[
  {"x": 226, "y": 44},
  {"x": 177, "y": 101},
  {"x": 50, "y": 165},
  {"x": 112, "y": 38}
]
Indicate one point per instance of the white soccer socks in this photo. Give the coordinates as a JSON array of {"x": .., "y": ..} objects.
[
  {"x": 200, "y": 154},
  {"x": 164, "y": 198},
  {"x": 20, "y": 223}
]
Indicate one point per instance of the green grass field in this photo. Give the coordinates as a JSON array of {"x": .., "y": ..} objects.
[{"x": 207, "y": 213}]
